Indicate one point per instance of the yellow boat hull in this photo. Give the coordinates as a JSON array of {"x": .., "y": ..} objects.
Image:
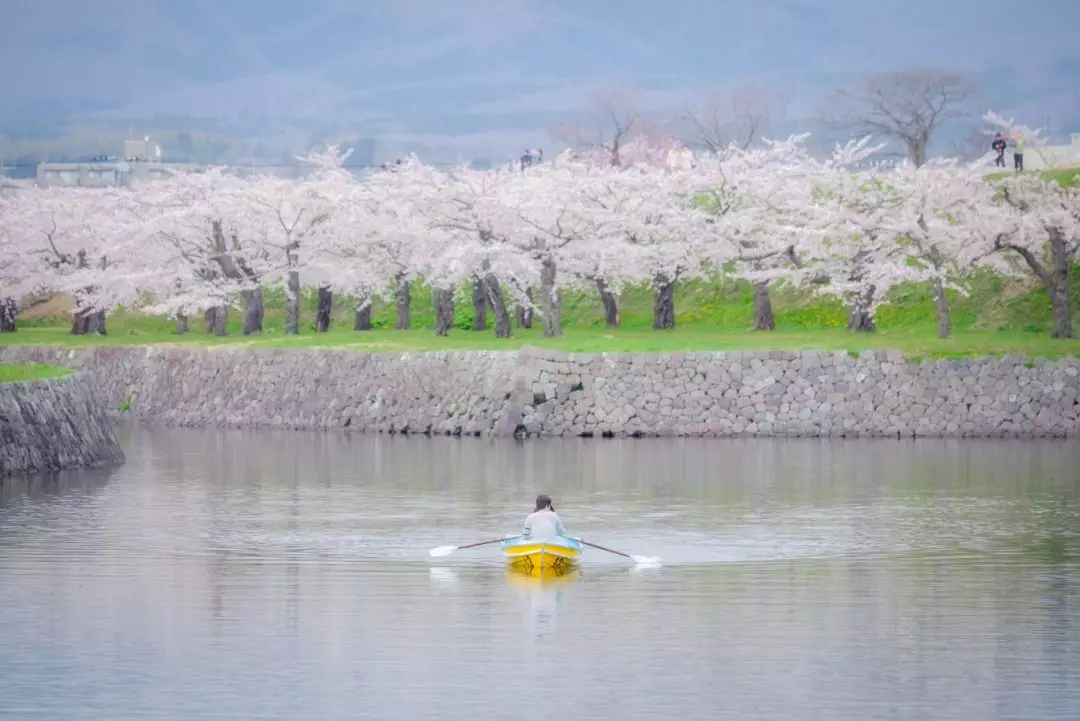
[
  {"x": 542, "y": 558},
  {"x": 542, "y": 577}
]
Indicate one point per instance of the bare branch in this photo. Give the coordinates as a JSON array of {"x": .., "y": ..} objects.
[
  {"x": 610, "y": 121},
  {"x": 739, "y": 116},
  {"x": 906, "y": 105}
]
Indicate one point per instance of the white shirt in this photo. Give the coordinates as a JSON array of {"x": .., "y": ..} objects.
[{"x": 543, "y": 526}]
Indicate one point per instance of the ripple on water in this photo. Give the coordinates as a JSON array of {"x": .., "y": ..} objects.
[{"x": 287, "y": 576}]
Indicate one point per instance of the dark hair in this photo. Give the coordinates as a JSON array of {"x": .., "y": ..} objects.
[{"x": 543, "y": 502}]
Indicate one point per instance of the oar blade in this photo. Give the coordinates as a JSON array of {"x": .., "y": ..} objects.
[
  {"x": 442, "y": 551},
  {"x": 646, "y": 560}
]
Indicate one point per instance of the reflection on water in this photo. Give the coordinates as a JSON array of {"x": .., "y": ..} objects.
[
  {"x": 261, "y": 575},
  {"x": 544, "y": 593}
]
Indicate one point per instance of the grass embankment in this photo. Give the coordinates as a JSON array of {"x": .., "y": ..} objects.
[
  {"x": 10, "y": 373},
  {"x": 1065, "y": 177},
  {"x": 998, "y": 317}
]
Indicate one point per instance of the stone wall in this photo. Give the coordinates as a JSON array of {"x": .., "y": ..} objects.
[
  {"x": 53, "y": 424},
  {"x": 463, "y": 393},
  {"x": 800, "y": 394},
  {"x": 544, "y": 393}
]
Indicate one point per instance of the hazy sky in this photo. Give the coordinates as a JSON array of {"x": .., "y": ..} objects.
[{"x": 500, "y": 69}]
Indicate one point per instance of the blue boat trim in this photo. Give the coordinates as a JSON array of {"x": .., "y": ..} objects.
[{"x": 563, "y": 541}]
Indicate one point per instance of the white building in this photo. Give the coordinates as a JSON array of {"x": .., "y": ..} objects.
[{"x": 141, "y": 161}]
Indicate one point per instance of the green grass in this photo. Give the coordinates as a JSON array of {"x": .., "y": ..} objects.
[
  {"x": 30, "y": 372},
  {"x": 996, "y": 318},
  {"x": 1065, "y": 177},
  {"x": 916, "y": 343}
]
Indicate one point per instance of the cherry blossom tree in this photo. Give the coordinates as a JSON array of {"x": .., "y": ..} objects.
[
  {"x": 199, "y": 242},
  {"x": 600, "y": 263},
  {"x": 643, "y": 155},
  {"x": 398, "y": 245},
  {"x": 289, "y": 220},
  {"x": 856, "y": 246},
  {"x": 14, "y": 271},
  {"x": 937, "y": 222},
  {"x": 649, "y": 214},
  {"x": 553, "y": 229},
  {"x": 762, "y": 210},
  {"x": 190, "y": 253},
  {"x": 465, "y": 208},
  {"x": 1037, "y": 221},
  {"x": 63, "y": 238}
]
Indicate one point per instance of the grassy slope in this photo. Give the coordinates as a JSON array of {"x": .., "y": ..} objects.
[
  {"x": 996, "y": 318},
  {"x": 29, "y": 372}
]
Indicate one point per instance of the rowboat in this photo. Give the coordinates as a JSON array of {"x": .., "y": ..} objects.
[{"x": 552, "y": 557}]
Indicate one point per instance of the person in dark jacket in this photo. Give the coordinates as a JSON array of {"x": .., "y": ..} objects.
[{"x": 999, "y": 147}]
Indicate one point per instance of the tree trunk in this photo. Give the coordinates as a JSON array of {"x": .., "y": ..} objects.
[
  {"x": 480, "y": 303},
  {"x": 253, "y": 310},
  {"x": 861, "y": 319},
  {"x": 941, "y": 302},
  {"x": 498, "y": 305},
  {"x": 403, "y": 296},
  {"x": 363, "y": 317},
  {"x": 444, "y": 310},
  {"x": 551, "y": 303},
  {"x": 9, "y": 311},
  {"x": 1059, "y": 292},
  {"x": 216, "y": 320},
  {"x": 323, "y": 309},
  {"x": 81, "y": 323},
  {"x": 763, "y": 313},
  {"x": 95, "y": 323},
  {"x": 292, "y": 303},
  {"x": 664, "y": 304},
  {"x": 918, "y": 153},
  {"x": 181, "y": 324},
  {"x": 89, "y": 322},
  {"x": 524, "y": 312},
  {"x": 612, "y": 319}
]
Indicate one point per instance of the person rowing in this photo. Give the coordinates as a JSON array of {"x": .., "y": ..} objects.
[
  {"x": 544, "y": 523},
  {"x": 541, "y": 526}
]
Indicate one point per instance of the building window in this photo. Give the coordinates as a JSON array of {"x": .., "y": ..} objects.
[{"x": 62, "y": 177}]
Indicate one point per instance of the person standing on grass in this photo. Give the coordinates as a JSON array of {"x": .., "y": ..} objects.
[
  {"x": 544, "y": 523},
  {"x": 1018, "y": 153},
  {"x": 999, "y": 147}
]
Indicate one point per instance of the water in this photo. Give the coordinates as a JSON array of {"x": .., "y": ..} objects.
[{"x": 231, "y": 575}]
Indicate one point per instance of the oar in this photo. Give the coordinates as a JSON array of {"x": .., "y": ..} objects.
[
  {"x": 635, "y": 559},
  {"x": 447, "y": 550}
]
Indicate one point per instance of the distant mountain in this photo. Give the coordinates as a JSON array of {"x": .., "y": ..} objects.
[{"x": 484, "y": 78}]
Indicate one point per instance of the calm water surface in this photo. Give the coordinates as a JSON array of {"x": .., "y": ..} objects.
[{"x": 232, "y": 575}]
